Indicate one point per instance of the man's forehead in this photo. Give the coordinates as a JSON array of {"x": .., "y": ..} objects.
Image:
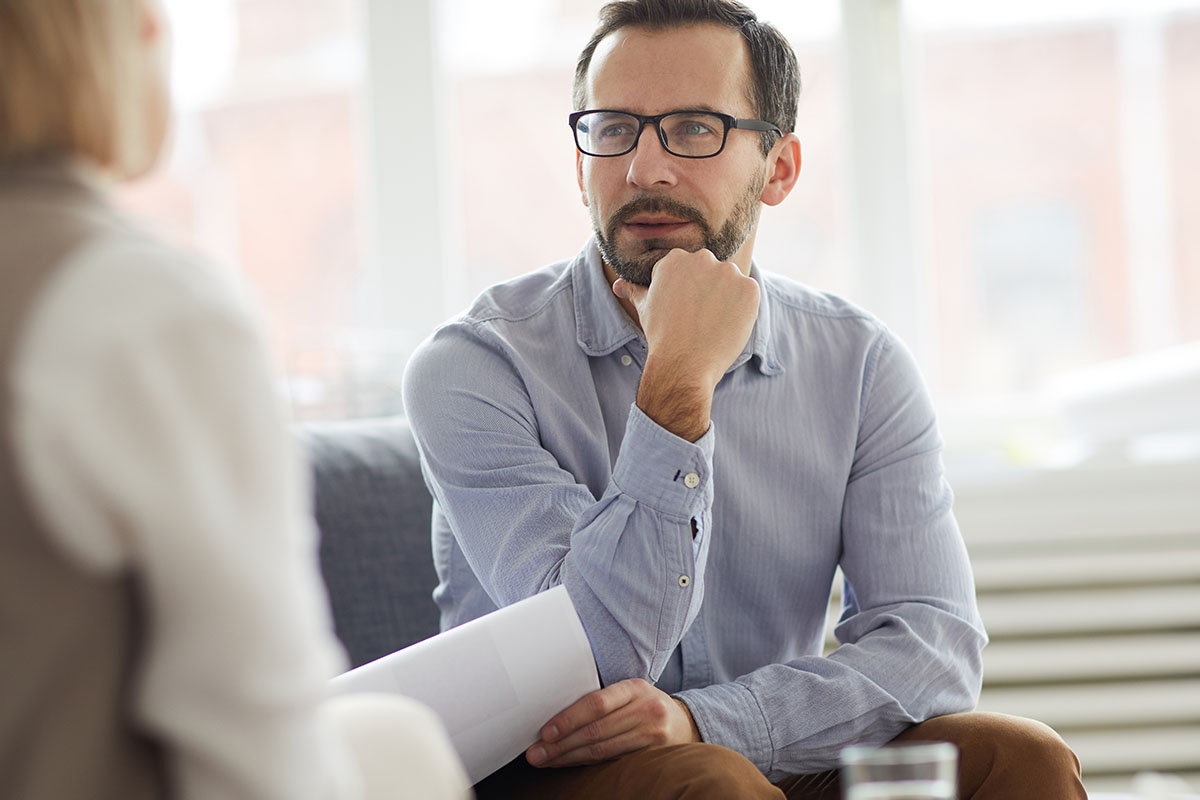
[{"x": 652, "y": 70}]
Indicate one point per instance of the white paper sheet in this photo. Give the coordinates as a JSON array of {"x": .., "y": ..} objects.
[{"x": 494, "y": 681}]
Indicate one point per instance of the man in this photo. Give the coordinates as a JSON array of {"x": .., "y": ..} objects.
[{"x": 692, "y": 446}]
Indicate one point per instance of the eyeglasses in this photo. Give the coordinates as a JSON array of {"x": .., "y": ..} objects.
[{"x": 687, "y": 134}]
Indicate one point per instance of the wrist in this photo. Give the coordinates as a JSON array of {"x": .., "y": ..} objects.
[
  {"x": 677, "y": 400},
  {"x": 691, "y": 721}
]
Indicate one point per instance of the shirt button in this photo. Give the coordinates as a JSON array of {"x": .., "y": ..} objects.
[
  {"x": 691, "y": 480},
  {"x": 626, "y": 360},
  {"x": 684, "y": 580}
]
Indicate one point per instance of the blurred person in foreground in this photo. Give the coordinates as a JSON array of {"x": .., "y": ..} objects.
[
  {"x": 692, "y": 446},
  {"x": 163, "y": 628}
]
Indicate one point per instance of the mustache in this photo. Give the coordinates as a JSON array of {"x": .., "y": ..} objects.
[{"x": 660, "y": 205}]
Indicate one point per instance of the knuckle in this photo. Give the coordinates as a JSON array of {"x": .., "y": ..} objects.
[
  {"x": 598, "y": 703},
  {"x": 596, "y": 752},
  {"x": 592, "y": 733}
]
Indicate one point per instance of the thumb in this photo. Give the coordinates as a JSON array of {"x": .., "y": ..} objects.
[{"x": 629, "y": 291}]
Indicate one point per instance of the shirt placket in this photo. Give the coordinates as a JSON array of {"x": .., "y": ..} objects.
[{"x": 697, "y": 669}]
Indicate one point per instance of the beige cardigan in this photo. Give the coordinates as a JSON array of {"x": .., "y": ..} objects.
[{"x": 164, "y": 629}]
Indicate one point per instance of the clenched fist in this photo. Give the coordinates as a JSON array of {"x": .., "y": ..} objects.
[{"x": 697, "y": 315}]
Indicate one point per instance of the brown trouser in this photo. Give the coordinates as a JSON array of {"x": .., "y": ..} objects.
[{"x": 1000, "y": 758}]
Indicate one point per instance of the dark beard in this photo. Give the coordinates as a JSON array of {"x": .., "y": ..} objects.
[{"x": 722, "y": 244}]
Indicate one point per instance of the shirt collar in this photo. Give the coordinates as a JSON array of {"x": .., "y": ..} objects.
[{"x": 602, "y": 326}]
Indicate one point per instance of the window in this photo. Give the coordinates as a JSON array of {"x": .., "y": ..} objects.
[
  {"x": 1055, "y": 188},
  {"x": 1005, "y": 185},
  {"x": 265, "y": 176}
]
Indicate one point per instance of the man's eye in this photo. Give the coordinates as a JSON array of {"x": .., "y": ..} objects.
[
  {"x": 693, "y": 128},
  {"x": 614, "y": 130}
]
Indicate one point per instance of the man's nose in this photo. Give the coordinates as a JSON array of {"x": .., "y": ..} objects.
[{"x": 650, "y": 164}]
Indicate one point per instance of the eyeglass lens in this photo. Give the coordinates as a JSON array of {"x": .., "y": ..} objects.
[{"x": 607, "y": 133}]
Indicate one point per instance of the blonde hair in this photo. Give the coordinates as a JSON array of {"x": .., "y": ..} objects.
[{"x": 69, "y": 80}]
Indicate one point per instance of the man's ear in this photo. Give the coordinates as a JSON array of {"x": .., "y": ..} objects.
[
  {"x": 783, "y": 170},
  {"x": 579, "y": 176}
]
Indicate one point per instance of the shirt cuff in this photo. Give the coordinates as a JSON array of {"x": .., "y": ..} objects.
[
  {"x": 659, "y": 469},
  {"x": 729, "y": 715}
]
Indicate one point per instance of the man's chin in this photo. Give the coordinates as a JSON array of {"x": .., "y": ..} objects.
[
  {"x": 636, "y": 263},
  {"x": 639, "y": 249},
  {"x": 688, "y": 239},
  {"x": 636, "y": 270}
]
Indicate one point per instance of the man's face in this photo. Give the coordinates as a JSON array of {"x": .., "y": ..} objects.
[{"x": 648, "y": 201}]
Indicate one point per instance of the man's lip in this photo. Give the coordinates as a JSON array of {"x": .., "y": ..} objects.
[
  {"x": 655, "y": 219},
  {"x": 651, "y": 230}
]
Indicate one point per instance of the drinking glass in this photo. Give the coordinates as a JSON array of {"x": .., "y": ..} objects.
[{"x": 910, "y": 771}]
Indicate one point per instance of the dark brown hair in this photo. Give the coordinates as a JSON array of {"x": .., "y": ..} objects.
[{"x": 775, "y": 76}]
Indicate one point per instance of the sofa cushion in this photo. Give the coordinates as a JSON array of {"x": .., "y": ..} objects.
[{"x": 373, "y": 512}]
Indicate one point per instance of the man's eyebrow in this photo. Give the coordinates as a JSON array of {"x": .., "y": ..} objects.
[
  {"x": 705, "y": 107},
  {"x": 697, "y": 107}
]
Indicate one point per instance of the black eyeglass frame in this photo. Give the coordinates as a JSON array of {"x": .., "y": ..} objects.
[{"x": 728, "y": 120}]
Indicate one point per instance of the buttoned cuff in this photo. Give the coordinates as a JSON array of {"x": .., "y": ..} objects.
[
  {"x": 729, "y": 715},
  {"x": 663, "y": 471}
]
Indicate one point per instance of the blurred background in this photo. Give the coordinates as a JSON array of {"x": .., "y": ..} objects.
[{"x": 1013, "y": 187}]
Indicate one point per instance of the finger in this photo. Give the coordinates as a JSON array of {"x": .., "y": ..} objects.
[
  {"x": 594, "y": 706},
  {"x": 586, "y": 738},
  {"x": 648, "y": 711},
  {"x": 596, "y": 752},
  {"x": 628, "y": 291},
  {"x": 586, "y": 710}
]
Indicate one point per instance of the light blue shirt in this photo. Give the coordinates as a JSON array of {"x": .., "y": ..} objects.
[{"x": 823, "y": 450}]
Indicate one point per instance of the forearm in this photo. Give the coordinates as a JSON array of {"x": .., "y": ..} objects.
[
  {"x": 538, "y": 492},
  {"x": 631, "y": 553},
  {"x": 796, "y": 717},
  {"x": 676, "y": 399},
  {"x": 635, "y": 560}
]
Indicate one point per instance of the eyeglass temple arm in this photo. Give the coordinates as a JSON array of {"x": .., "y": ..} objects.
[{"x": 755, "y": 125}]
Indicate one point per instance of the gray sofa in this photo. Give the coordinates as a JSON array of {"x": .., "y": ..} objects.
[{"x": 373, "y": 510}]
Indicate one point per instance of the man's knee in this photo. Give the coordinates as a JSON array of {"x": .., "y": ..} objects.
[
  {"x": 1002, "y": 748},
  {"x": 701, "y": 771},
  {"x": 1027, "y": 741},
  {"x": 1002, "y": 736}
]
